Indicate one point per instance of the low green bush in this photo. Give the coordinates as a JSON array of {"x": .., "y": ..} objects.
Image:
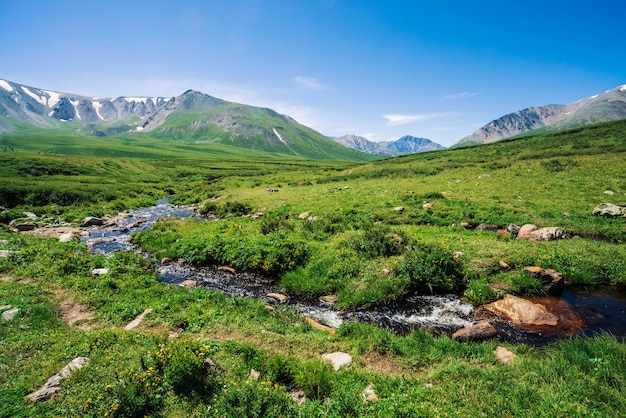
[
  {"x": 431, "y": 269},
  {"x": 479, "y": 292},
  {"x": 314, "y": 378}
]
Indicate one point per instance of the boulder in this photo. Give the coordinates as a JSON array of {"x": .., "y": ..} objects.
[
  {"x": 541, "y": 234},
  {"x": 609, "y": 210},
  {"x": 92, "y": 221},
  {"x": 522, "y": 312},
  {"x": 28, "y": 226},
  {"x": 338, "y": 359},
  {"x": 525, "y": 230},
  {"x": 478, "y": 332},
  {"x": 53, "y": 385}
]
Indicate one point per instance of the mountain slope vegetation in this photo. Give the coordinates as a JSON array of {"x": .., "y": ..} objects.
[{"x": 374, "y": 234}]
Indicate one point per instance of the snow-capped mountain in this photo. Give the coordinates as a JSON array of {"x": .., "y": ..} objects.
[
  {"x": 406, "y": 145},
  {"x": 45, "y": 108},
  {"x": 607, "y": 106}
]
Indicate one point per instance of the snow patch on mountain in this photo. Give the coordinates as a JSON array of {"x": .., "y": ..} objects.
[{"x": 5, "y": 85}]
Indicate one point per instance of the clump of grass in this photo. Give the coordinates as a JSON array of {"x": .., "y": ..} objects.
[{"x": 479, "y": 292}]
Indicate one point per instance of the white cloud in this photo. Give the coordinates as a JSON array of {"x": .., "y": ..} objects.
[
  {"x": 461, "y": 95},
  {"x": 310, "y": 83},
  {"x": 397, "y": 119}
]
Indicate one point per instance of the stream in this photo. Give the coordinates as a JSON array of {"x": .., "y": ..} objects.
[{"x": 602, "y": 308}]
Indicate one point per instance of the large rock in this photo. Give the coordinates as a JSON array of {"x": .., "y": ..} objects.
[
  {"x": 522, "y": 312},
  {"x": 10, "y": 314},
  {"x": 53, "y": 385},
  {"x": 610, "y": 210},
  {"x": 28, "y": 226},
  {"x": 92, "y": 221},
  {"x": 481, "y": 331},
  {"x": 535, "y": 233}
]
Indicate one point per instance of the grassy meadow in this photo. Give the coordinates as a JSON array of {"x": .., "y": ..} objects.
[{"x": 354, "y": 242}]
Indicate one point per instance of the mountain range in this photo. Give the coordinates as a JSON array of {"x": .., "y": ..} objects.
[
  {"x": 406, "y": 145},
  {"x": 192, "y": 117},
  {"x": 604, "y": 107}
]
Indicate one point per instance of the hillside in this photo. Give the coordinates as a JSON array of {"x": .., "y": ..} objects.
[
  {"x": 607, "y": 106},
  {"x": 396, "y": 234},
  {"x": 192, "y": 117}
]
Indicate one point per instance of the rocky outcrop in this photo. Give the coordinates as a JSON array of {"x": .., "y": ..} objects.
[
  {"x": 535, "y": 233},
  {"x": 609, "y": 210}
]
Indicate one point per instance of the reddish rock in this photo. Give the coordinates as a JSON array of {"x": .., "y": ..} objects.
[
  {"x": 317, "y": 325},
  {"x": 503, "y": 232},
  {"x": 525, "y": 230},
  {"x": 522, "y": 312},
  {"x": 189, "y": 284},
  {"x": 478, "y": 332}
]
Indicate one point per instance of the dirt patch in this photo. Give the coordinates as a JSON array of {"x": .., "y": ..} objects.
[
  {"x": 383, "y": 364},
  {"x": 74, "y": 314}
]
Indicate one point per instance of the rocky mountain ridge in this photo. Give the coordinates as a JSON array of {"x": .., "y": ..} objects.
[
  {"x": 604, "y": 107},
  {"x": 191, "y": 117},
  {"x": 406, "y": 145}
]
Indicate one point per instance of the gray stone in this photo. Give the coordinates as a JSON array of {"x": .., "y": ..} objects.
[
  {"x": 138, "y": 320},
  {"x": 10, "y": 314},
  {"x": 399, "y": 209},
  {"x": 535, "y": 233},
  {"x": 53, "y": 385},
  {"x": 609, "y": 210},
  {"x": 99, "y": 272},
  {"x": 338, "y": 359},
  {"x": 30, "y": 215}
]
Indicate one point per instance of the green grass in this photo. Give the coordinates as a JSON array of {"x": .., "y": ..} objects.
[{"x": 356, "y": 246}]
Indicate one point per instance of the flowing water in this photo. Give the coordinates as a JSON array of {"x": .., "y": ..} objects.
[{"x": 602, "y": 309}]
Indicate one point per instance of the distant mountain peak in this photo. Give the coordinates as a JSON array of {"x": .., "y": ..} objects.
[
  {"x": 405, "y": 145},
  {"x": 603, "y": 107}
]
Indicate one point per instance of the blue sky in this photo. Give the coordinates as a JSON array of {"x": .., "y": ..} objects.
[{"x": 379, "y": 69}]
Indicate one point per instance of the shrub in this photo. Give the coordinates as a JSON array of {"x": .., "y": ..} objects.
[
  {"x": 479, "y": 292},
  {"x": 181, "y": 363},
  {"x": 377, "y": 241},
  {"x": 431, "y": 269},
  {"x": 315, "y": 378}
]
